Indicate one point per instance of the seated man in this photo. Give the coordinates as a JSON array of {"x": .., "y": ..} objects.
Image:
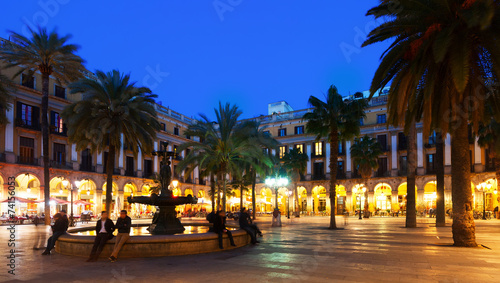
[
  {"x": 59, "y": 228},
  {"x": 104, "y": 231},
  {"x": 220, "y": 227},
  {"x": 246, "y": 224},
  {"x": 123, "y": 225}
]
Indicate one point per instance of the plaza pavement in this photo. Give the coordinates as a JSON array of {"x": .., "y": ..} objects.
[{"x": 303, "y": 250}]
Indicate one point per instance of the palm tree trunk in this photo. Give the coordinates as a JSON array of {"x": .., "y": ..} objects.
[
  {"x": 45, "y": 147},
  {"x": 254, "y": 206},
  {"x": 212, "y": 189},
  {"x": 110, "y": 166},
  {"x": 241, "y": 197},
  {"x": 440, "y": 210},
  {"x": 297, "y": 212},
  {"x": 334, "y": 150},
  {"x": 463, "y": 227},
  {"x": 411, "y": 211},
  {"x": 218, "y": 192},
  {"x": 224, "y": 181}
]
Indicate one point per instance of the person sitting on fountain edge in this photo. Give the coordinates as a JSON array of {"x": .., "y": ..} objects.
[
  {"x": 59, "y": 228},
  {"x": 104, "y": 231},
  {"x": 220, "y": 227},
  {"x": 246, "y": 224},
  {"x": 123, "y": 225}
]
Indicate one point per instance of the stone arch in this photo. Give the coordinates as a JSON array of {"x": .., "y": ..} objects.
[{"x": 188, "y": 191}]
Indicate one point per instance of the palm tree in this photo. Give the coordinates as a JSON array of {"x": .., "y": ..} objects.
[
  {"x": 411, "y": 204},
  {"x": 364, "y": 153},
  {"x": 51, "y": 55},
  {"x": 336, "y": 119},
  {"x": 440, "y": 206},
  {"x": 241, "y": 183},
  {"x": 5, "y": 98},
  {"x": 442, "y": 55},
  {"x": 256, "y": 134},
  {"x": 489, "y": 137},
  {"x": 295, "y": 162},
  {"x": 220, "y": 146},
  {"x": 112, "y": 108}
]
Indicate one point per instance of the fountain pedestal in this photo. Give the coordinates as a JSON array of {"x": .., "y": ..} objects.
[{"x": 165, "y": 222}]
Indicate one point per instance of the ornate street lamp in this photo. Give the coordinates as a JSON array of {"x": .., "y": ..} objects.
[
  {"x": 276, "y": 183},
  {"x": 484, "y": 188},
  {"x": 358, "y": 190},
  {"x": 288, "y": 193}
]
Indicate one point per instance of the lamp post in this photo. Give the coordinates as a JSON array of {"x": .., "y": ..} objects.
[
  {"x": 276, "y": 183},
  {"x": 360, "y": 190},
  {"x": 484, "y": 187},
  {"x": 289, "y": 193}
]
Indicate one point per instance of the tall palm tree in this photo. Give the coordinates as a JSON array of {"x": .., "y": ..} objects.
[
  {"x": 411, "y": 197},
  {"x": 440, "y": 206},
  {"x": 364, "y": 153},
  {"x": 112, "y": 108},
  {"x": 5, "y": 98},
  {"x": 220, "y": 146},
  {"x": 442, "y": 55},
  {"x": 336, "y": 119},
  {"x": 295, "y": 163},
  {"x": 51, "y": 55},
  {"x": 256, "y": 134}
]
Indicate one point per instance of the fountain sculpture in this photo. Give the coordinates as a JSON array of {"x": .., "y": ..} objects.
[{"x": 165, "y": 221}]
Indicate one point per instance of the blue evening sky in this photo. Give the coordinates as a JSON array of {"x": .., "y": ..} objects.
[{"x": 196, "y": 53}]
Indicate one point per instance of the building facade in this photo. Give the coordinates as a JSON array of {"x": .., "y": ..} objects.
[{"x": 21, "y": 152}]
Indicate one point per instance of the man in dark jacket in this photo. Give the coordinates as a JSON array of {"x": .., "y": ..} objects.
[
  {"x": 123, "y": 225},
  {"x": 59, "y": 228},
  {"x": 220, "y": 227},
  {"x": 104, "y": 231},
  {"x": 246, "y": 224}
]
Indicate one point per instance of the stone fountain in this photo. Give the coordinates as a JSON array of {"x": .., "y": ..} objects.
[{"x": 165, "y": 221}]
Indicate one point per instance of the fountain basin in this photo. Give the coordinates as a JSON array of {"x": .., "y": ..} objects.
[{"x": 151, "y": 245}]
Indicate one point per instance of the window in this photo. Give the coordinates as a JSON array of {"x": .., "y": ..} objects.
[
  {"x": 27, "y": 116},
  {"x": 265, "y": 151},
  {"x": 176, "y": 131},
  {"x": 299, "y": 130},
  {"x": 382, "y": 140},
  {"x": 129, "y": 170},
  {"x": 431, "y": 167},
  {"x": 318, "y": 171},
  {"x": 432, "y": 139},
  {"x": 60, "y": 91},
  {"x": 318, "y": 148},
  {"x": 382, "y": 167},
  {"x": 148, "y": 168},
  {"x": 56, "y": 122},
  {"x": 403, "y": 165},
  {"x": 282, "y": 132},
  {"x": 28, "y": 81},
  {"x": 105, "y": 161},
  {"x": 282, "y": 150},
  {"x": 86, "y": 160},
  {"x": 267, "y": 133},
  {"x": 163, "y": 126},
  {"x": 361, "y": 121},
  {"x": 381, "y": 119},
  {"x": 340, "y": 169},
  {"x": 341, "y": 147},
  {"x": 59, "y": 153},
  {"x": 300, "y": 147},
  {"x": 188, "y": 137},
  {"x": 26, "y": 150},
  {"x": 402, "y": 144}
]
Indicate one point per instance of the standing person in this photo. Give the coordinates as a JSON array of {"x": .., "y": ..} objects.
[
  {"x": 104, "y": 231},
  {"x": 59, "y": 228},
  {"x": 123, "y": 225},
  {"x": 246, "y": 224},
  {"x": 220, "y": 227},
  {"x": 276, "y": 222}
]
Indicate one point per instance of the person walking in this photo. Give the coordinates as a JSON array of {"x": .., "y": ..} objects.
[
  {"x": 246, "y": 224},
  {"x": 220, "y": 228},
  {"x": 104, "y": 231},
  {"x": 123, "y": 225},
  {"x": 58, "y": 229}
]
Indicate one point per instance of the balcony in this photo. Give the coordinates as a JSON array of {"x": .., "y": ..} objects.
[
  {"x": 380, "y": 174},
  {"x": 341, "y": 175},
  {"x": 2, "y": 157},
  {"x": 61, "y": 165},
  {"x": 27, "y": 160},
  {"x": 402, "y": 173},
  {"x": 130, "y": 173},
  {"x": 58, "y": 131},
  {"x": 430, "y": 145},
  {"x": 87, "y": 168},
  {"x": 319, "y": 177},
  {"x": 28, "y": 124}
]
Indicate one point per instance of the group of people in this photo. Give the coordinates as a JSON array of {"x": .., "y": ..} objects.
[
  {"x": 219, "y": 226},
  {"x": 104, "y": 229}
]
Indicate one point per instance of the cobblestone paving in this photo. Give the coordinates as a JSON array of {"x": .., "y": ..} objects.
[{"x": 369, "y": 250}]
